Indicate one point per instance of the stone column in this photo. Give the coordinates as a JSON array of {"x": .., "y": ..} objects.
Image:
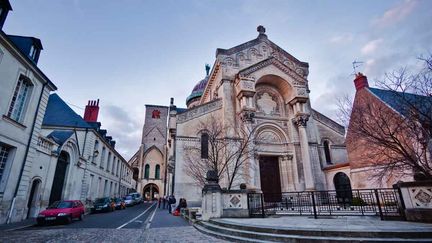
[
  {"x": 284, "y": 174},
  {"x": 286, "y": 167},
  {"x": 294, "y": 173},
  {"x": 301, "y": 121}
]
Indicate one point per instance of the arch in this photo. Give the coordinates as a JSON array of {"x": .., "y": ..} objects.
[
  {"x": 147, "y": 171},
  {"x": 283, "y": 86},
  {"x": 342, "y": 186},
  {"x": 32, "y": 203},
  {"x": 150, "y": 191},
  {"x": 327, "y": 151},
  {"x": 270, "y": 133},
  {"x": 151, "y": 149},
  {"x": 157, "y": 172},
  {"x": 59, "y": 177}
]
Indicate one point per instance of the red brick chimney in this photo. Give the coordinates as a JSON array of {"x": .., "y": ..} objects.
[
  {"x": 360, "y": 81},
  {"x": 91, "y": 111}
]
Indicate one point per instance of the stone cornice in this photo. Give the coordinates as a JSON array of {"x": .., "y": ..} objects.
[{"x": 200, "y": 110}]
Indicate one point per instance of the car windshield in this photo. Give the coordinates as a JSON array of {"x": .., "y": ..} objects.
[
  {"x": 61, "y": 204},
  {"x": 128, "y": 198},
  {"x": 100, "y": 200}
]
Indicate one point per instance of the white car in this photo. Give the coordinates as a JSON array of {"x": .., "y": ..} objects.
[
  {"x": 129, "y": 201},
  {"x": 137, "y": 197}
]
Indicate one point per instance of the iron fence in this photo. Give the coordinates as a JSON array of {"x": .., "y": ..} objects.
[{"x": 363, "y": 202}]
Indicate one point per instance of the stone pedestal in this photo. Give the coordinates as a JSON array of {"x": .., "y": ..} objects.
[
  {"x": 212, "y": 205},
  {"x": 416, "y": 199}
]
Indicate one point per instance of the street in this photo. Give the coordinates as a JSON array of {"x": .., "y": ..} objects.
[{"x": 140, "y": 223}]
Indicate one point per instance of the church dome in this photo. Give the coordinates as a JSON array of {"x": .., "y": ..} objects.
[{"x": 198, "y": 90}]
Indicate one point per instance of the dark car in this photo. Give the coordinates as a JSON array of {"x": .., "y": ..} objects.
[
  {"x": 62, "y": 211},
  {"x": 119, "y": 203},
  {"x": 104, "y": 204}
]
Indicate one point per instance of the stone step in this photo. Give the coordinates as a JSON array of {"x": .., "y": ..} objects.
[
  {"x": 364, "y": 233},
  {"x": 230, "y": 233}
]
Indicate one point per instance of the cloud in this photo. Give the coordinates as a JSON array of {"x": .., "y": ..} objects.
[
  {"x": 125, "y": 129},
  {"x": 395, "y": 14},
  {"x": 342, "y": 38},
  {"x": 371, "y": 46}
]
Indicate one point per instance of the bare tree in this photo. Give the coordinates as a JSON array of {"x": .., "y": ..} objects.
[
  {"x": 394, "y": 139},
  {"x": 227, "y": 155}
]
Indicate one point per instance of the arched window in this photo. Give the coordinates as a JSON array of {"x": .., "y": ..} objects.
[
  {"x": 327, "y": 151},
  {"x": 157, "y": 172},
  {"x": 204, "y": 145},
  {"x": 147, "y": 171}
]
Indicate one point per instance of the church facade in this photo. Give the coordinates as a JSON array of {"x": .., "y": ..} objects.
[{"x": 259, "y": 85}]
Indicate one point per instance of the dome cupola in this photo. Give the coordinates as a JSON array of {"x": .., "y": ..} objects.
[{"x": 193, "y": 99}]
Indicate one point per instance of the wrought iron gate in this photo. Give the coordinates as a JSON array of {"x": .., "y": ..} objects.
[{"x": 385, "y": 203}]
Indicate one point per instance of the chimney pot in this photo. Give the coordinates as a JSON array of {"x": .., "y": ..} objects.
[
  {"x": 360, "y": 81},
  {"x": 91, "y": 111}
]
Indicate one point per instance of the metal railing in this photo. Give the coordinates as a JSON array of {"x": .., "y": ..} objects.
[{"x": 384, "y": 202}]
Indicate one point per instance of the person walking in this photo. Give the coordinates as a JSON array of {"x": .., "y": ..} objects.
[
  {"x": 164, "y": 199},
  {"x": 159, "y": 202},
  {"x": 171, "y": 203}
]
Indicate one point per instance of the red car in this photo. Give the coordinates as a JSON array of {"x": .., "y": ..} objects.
[{"x": 62, "y": 211}]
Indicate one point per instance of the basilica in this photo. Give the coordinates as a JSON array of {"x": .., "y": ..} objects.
[{"x": 255, "y": 84}]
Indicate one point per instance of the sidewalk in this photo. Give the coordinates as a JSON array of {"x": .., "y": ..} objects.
[
  {"x": 163, "y": 219},
  {"x": 18, "y": 225}
]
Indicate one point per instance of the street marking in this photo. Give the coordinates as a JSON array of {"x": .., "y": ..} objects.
[
  {"x": 130, "y": 221},
  {"x": 151, "y": 218}
]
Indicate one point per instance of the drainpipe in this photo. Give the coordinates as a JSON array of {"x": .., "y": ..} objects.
[{"x": 25, "y": 156}]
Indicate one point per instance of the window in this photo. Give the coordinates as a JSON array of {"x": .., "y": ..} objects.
[
  {"x": 32, "y": 53},
  {"x": 204, "y": 145},
  {"x": 113, "y": 165},
  {"x": 147, "y": 171},
  {"x": 4, "y": 153},
  {"x": 96, "y": 148},
  {"x": 118, "y": 167},
  {"x": 327, "y": 152},
  {"x": 109, "y": 162},
  {"x": 17, "y": 105},
  {"x": 157, "y": 172},
  {"x": 102, "y": 161}
]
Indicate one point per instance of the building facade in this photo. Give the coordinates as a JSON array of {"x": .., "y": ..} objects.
[
  {"x": 260, "y": 86},
  {"x": 23, "y": 98},
  {"x": 149, "y": 162}
]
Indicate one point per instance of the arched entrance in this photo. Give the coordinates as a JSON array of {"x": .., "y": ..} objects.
[
  {"x": 32, "y": 204},
  {"x": 342, "y": 185},
  {"x": 151, "y": 191},
  {"x": 59, "y": 177}
]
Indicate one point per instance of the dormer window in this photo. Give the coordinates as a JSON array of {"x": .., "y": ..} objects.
[{"x": 33, "y": 52}]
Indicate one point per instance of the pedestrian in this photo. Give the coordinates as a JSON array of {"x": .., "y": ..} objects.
[
  {"x": 159, "y": 202},
  {"x": 171, "y": 203},
  {"x": 163, "y": 202}
]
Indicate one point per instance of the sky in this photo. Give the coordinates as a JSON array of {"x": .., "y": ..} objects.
[{"x": 129, "y": 53}]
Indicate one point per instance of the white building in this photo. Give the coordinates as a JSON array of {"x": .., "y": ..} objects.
[{"x": 24, "y": 91}]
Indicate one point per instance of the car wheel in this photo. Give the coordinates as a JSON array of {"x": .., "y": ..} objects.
[
  {"x": 81, "y": 217},
  {"x": 69, "y": 220}
]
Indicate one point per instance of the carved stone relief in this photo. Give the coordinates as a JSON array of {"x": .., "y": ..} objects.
[{"x": 266, "y": 104}]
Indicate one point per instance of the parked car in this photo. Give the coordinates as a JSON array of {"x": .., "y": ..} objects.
[
  {"x": 137, "y": 197},
  {"x": 119, "y": 203},
  {"x": 104, "y": 204},
  {"x": 62, "y": 211},
  {"x": 129, "y": 201}
]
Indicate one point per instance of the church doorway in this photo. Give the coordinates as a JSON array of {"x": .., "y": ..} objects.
[
  {"x": 343, "y": 187},
  {"x": 151, "y": 192},
  {"x": 270, "y": 178},
  {"x": 59, "y": 177},
  {"x": 33, "y": 199}
]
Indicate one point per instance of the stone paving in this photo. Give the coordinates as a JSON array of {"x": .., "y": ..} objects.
[{"x": 166, "y": 234}]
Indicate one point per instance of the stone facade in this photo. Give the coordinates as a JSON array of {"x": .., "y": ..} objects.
[
  {"x": 268, "y": 89},
  {"x": 23, "y": 98},
  {"x": 149, "y": 163}
]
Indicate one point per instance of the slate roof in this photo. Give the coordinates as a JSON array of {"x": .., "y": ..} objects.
[
  {"x": 401, "y": 102},
  {"x": 60, "y": 136},
  {"x": 59, "y": 114}
]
